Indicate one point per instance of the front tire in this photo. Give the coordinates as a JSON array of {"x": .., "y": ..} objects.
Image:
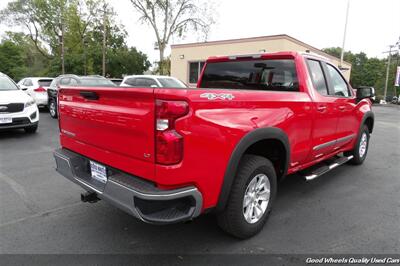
[
  {"x": 53, "y": 109},
  {"x": 251, "y": 198},
  {"x": 360, "y": 150}
]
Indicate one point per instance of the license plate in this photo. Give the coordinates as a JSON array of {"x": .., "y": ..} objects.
[
  {"x": 99, "y": 172},
  {"x": 5, "y": 120}
]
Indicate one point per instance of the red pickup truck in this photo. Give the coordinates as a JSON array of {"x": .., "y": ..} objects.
[{"x": 167, "y": 155}]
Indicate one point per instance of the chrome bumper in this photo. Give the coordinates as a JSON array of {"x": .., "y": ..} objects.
[{"x": 137, "y": 197}]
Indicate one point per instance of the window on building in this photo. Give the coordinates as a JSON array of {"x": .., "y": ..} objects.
[{"x": 195, "y": 71}]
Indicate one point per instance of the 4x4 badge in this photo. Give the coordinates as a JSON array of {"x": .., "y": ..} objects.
[{"x": 216, "y": 96}]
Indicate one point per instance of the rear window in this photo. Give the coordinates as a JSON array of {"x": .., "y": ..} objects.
[
  {"x": 171, "y": 83},
  {"x": 270, "y": 74},
  {"x": 95, "y": 82},
  {"x": 6, "y": 84},
  {"x": 44, "y": 82}
]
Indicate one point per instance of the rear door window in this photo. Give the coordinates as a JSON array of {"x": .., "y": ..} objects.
[
  {"x": 270, "y": 74},
  {"x": 28, "y": 82},
  {"x": 317, "y": 76},
  {"x": 171, "y": 83},
  {"x": 145, "y": 82}
]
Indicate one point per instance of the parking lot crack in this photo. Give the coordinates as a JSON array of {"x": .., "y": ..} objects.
[{"x": 20, "y": 191}]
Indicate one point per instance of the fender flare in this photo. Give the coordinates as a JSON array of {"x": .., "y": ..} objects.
[
  {"x": 237, "y": 154},
  {"x": 367, "y": 115}
]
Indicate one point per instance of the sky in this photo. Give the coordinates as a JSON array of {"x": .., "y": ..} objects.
[{"x": 373, "y": 25}]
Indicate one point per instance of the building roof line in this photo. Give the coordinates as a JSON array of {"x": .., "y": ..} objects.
[{"x": 256, "y": 39}]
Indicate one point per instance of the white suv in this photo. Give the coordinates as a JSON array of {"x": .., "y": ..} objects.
[
  {"x": 150, "y": 81},
  {"x": 17, "y": 109},
  {"x": 37, "y": 88}
]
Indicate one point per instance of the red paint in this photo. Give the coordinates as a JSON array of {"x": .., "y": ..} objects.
[{"x": 120, "y": 128}]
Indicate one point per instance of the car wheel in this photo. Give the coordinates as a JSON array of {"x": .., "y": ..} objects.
[
  {"x": 31, "y": 129},
  {"x": 251, "y": 198},
  {"x": 53, "y": 109},
  {"x": 360, "y": 150}
]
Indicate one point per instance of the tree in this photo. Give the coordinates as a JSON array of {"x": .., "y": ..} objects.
[
  {"x": 67, "y": 36},
  {"x": 366, "y": 71},
  {"x": 11, "y": 58},
  {"x": 170, "y": 18},
  {"x": 25, "y": 13}
]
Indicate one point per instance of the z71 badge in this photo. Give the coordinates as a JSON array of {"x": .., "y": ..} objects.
[{"x": 216, "y": 96}]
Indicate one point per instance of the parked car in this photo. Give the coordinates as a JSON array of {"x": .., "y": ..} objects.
[
  {"x": 37, "y": 88},
  {"x": 72, "y": 80},
  {"x": 152, "y": 81},
  {"x": 17, "y": 109},
  {"x": 169, "y": 155},
  {"x": 395, "y": 100},
  {"x": 116, "y": 81}
]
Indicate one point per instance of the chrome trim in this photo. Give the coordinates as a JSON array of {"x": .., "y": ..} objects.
[
  {"x": 122, "y": 196},
  {"x": 333, "y": 142},
  {"x": 344, "y": 139},
  {"x": 324, "y": 145},
  {"x": 339, "y": 162}
]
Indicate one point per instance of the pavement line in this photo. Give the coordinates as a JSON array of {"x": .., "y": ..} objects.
[
  {"x": 20, "y": 191},
  {"x": 43, "y": 213}
]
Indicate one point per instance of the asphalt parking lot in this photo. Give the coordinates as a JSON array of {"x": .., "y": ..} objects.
[{"x": 349, "y": 210}]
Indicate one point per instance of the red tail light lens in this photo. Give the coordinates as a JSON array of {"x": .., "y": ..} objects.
[
  {"x": 40, "y": 89},
  {"x": 169, "y": 144}
]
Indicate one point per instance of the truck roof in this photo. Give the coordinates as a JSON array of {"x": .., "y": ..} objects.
[{"x": 283, "y": 54}]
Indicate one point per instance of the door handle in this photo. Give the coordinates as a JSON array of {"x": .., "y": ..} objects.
[
  {"x": 321, "y": 108},
  {"x": 341, "y": 108},
  {"x": 90, "y": 95}
]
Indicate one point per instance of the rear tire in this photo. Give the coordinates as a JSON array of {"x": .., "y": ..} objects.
[
  {"x": 31, "y": 129},
  {"x": 237, "y": 219},
  {"x": 360, "y": 150},
  {"x": 53, "y": 109}
]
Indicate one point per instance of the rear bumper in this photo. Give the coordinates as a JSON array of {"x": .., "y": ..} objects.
[{"x": 139, "y": 198}]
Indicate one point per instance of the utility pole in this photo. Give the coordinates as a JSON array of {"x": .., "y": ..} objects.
[
  {"x": 388, "y": 65},
  {"x": 62, "y": 40},
  {"x": 387, "y": 71},
  {"x": 345, "y": 33},
  {"x": 104, "y": 38}
]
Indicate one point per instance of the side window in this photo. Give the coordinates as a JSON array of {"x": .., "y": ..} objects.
[
  {"x": 53, "y": 84},
  {"x": 28, "y": 82},
  {"x": 317, "y": 76},
  {"x": 340, "y": 87},
  {"x": 131, "y": 81},
  {"x": 151, "y": 82},
  {"x": 65, "y": 81},
  {"x": 145, "y": 82}
]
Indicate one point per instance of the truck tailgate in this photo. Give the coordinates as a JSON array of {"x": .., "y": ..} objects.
[{"x": 115, "y": 124}]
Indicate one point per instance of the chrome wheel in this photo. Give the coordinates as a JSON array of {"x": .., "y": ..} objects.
[
  {"x": 256, "y": 198},
  {"x": 363, "y": 145},
  {"x": 52, "y": 108}
]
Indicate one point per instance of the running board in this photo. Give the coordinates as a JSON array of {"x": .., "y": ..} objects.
[{"x": 327, "y": 167}]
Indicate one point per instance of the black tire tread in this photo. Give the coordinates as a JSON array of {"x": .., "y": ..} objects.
[{"x": 228, "y": 219}]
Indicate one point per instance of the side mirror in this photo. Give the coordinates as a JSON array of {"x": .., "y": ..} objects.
[
  {"x": 365, "y": 92},
  {"x": 153, "y": 86}
]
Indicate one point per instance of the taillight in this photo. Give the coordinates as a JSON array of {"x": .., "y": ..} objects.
[
  {"x": 169, "y": 144},
  {"x": 40, "y": 89}
]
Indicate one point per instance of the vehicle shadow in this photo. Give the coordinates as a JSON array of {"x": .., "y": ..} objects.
[{"x": 203, "y": 234}]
